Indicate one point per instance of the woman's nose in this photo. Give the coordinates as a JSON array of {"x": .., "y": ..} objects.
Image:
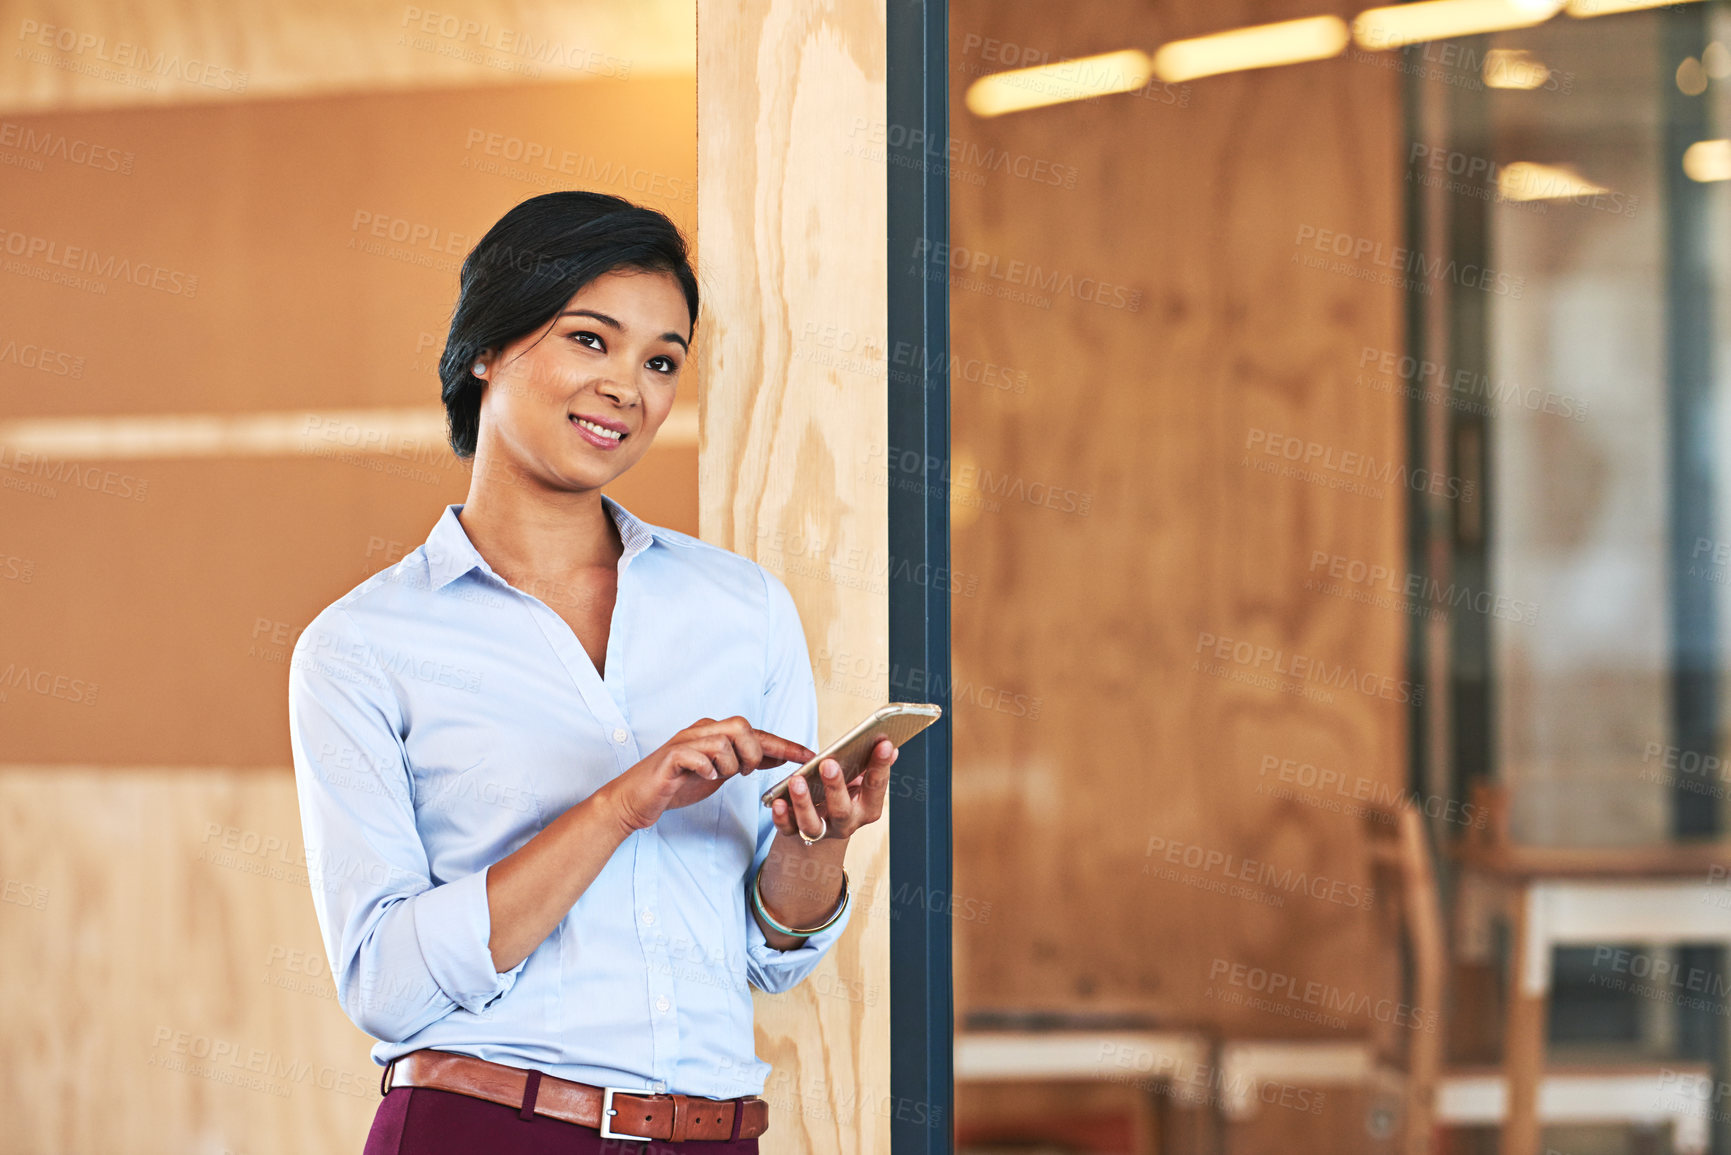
[{"x": 618, "y": 391}]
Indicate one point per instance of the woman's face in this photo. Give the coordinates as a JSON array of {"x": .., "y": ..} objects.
[{"x": 575, "y": 404}]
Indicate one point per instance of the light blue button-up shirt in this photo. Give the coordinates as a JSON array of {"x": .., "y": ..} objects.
[{"x": 440, "y": 717}]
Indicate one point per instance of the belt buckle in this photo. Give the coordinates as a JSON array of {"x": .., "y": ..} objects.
[{"x": 607, "y": 1113}]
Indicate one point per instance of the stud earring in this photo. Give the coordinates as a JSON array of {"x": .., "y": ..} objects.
[{"x": 480, "y": 369}]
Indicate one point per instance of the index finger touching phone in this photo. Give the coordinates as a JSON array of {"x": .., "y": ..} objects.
[
  {"x": 777, "y": 749},
  {"x": 898, "y": 721}
]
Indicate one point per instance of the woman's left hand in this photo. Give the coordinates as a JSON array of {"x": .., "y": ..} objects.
[{"x": 845, "y": 808}]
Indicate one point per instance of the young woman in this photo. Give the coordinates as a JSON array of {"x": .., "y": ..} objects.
[{"x": 539, "y": 886}]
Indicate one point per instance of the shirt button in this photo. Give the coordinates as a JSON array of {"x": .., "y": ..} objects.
[
  {"x": 661, "y": 1004},
  {"x": 648, "y": 917},
  {"x": 620, "y": 735}
]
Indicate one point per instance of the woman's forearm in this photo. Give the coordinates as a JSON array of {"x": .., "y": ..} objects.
[
  {"x": 801, "y": 885},
  {"x": 536, "y": 885}
]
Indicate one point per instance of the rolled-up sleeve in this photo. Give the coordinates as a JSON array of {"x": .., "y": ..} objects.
[
  {"x": 403, "y": 951},
  {"x": 789, "y": 709}
]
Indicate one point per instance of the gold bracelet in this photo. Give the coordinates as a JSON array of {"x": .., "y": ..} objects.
[{"x": 757, "y": 901}]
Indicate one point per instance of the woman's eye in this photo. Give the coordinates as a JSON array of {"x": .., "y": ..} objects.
[
  {"x": 585, "y": 337},
  {"x": 663, "y": 365}
]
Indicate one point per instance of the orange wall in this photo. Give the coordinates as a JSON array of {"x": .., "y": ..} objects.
[{"x": 179, "y": 603}]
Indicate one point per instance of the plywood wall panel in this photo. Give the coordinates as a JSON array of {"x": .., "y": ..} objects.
[
  {"x": 164, "y": 988},
  {"x": 791, "y": 223},
  {"x": 1117, "y": 521}
]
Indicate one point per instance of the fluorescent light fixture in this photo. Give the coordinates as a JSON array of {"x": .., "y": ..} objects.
[
  {"x": 1586, "y": 8},
  {"x": 1065, "y": 80},
  {"x": 1526, "y": 181},
  {"x": 1514, "y": 68},
  {"x": 1708, "y": 160},
  {"x": 1259, "y": 46},
  {"x": 1402, "y": 24}
]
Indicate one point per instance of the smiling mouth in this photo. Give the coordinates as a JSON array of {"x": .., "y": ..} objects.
[{"x": 597, "y": 430}]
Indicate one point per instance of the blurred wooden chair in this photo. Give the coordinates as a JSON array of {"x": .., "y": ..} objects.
[
  {"x": 1410, "y": 1071},
  {"x": 1671, "y": 894},
  {"x": 1399, "y": 1064}
]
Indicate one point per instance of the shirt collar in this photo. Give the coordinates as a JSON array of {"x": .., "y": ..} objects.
[{"x": 450, "y": 553}]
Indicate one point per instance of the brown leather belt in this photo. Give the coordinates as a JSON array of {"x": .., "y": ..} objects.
[{"x": 616, "y": 1113}]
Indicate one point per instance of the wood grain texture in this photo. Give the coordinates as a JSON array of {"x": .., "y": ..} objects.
[
  {"x": 792, "y": 230},
  {"x": 164, "y": 988},
  {"x": 1132, "y": 323}
]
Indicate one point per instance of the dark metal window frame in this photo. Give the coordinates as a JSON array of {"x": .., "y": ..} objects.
[{"x": 922, "y": 997}]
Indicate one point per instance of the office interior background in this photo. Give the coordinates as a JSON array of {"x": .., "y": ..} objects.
[{"x": 1340, "y": 534}]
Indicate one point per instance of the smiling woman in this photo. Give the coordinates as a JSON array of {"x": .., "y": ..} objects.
[{"x": 538, "y": 886}]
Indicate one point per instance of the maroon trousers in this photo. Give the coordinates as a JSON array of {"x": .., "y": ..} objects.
[{"x": 427, "y": 1121}]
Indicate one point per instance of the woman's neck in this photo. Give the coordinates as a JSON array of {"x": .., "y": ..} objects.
[{"x": 520, "y": 531}]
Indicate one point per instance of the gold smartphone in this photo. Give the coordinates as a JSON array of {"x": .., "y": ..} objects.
[{"x": 897, "y": 721}]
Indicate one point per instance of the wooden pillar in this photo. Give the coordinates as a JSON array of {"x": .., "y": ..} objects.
[{"x": 791, "y": 237}]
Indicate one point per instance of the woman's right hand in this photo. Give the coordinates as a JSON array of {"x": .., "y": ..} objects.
[{"x": 693, "y": 764}]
